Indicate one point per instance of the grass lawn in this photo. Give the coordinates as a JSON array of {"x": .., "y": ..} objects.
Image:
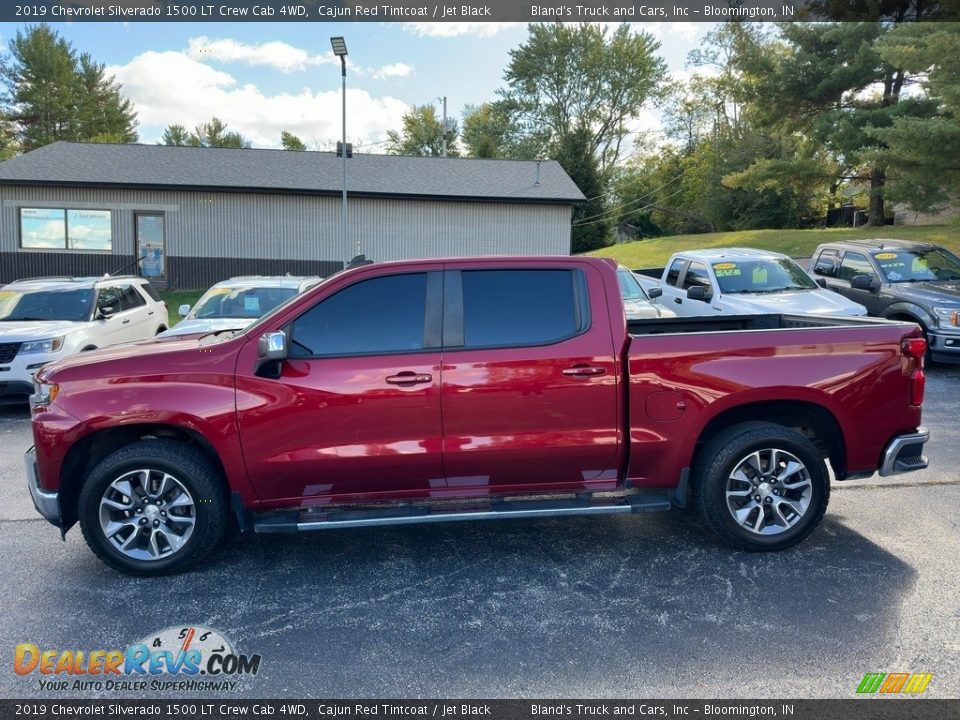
[
  {"x": 175, "y": 298},
  {"x": 798, "y": 243}
]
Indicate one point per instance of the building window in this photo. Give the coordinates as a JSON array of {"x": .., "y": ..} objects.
[{"x": 62, "y": 229}]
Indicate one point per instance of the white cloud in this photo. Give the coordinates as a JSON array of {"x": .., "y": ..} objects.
[
  {"x": 278, "y": 55},
  {"x": 170, "y": 87},
  {"x": 455, "y": 29},
  {"x": 393, "y": 70}
]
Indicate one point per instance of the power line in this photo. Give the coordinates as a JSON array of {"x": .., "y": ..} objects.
[
  {"x": 610, "y": 212},
  {"x": 632, "y": 212}
]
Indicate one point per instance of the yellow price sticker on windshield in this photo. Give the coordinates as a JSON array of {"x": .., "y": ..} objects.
[
  {"x": 886, "y": 256},
  {"x": 724, "y": 266}
]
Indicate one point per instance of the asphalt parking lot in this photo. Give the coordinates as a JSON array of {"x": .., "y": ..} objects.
[{"x": 616, "y": 606}]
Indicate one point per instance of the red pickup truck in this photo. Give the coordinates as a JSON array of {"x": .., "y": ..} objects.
[{"x": 459, "y": 389}]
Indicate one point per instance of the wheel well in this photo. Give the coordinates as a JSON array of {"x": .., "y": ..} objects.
[
  {"x": 87, "y": 452},
  {"x": 809, "y": 419}
]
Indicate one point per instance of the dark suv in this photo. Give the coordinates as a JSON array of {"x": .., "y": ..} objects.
[{"x": 899, "y": 280}]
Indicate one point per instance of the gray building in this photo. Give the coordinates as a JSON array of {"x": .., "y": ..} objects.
[{"x": 194, "y": 216}]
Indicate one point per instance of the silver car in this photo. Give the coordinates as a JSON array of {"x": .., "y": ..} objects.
[{"x": 235, "y": 303}]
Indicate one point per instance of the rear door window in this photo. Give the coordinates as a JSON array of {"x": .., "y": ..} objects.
[
  {"x": 513, "y": 308},
  {"x": 380, "y": 316},
  {"x": 826, "y": 263},
  {"x": 673, "y": 275},
  {"x": 130, "y": 298}
]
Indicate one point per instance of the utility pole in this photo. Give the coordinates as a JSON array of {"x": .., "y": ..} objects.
[{"x": 444, "y": 153}]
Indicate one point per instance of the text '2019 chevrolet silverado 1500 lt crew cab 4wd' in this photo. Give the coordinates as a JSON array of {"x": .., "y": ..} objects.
[{"x": 434, "y": 390}]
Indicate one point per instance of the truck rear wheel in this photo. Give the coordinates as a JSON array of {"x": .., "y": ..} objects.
[
  {"x": 761, "y": 486},
  {"x": 153, "y": 508}
]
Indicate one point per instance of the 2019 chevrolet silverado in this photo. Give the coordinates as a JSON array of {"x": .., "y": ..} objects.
[{"x": 474, "y": 388}]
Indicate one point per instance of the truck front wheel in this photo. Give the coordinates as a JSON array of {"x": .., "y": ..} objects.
[
  {"x": 761, "y": 486},
  {"x": 153, "y": 508}
]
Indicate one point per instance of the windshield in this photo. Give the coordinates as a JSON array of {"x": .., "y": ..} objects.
[
  {"x": 72, "y": 304},
  {"x": 761, "y": 276},
  {"x": 918, "y": 265},
  {"x": 250, "y": 302},
  {"x": 630, "y": 288}
]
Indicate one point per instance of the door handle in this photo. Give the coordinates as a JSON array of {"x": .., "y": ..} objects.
[
  {"x": 678, "y": 301},
  {"x": 126, "y": 322},
  {"x": 409, "y": 377},
  {"x": 584, "y": 371}
]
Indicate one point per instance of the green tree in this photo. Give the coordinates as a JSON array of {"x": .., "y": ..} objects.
[
  {"x": 104, "y": 111},
  {"x": 423, "y": 134},
  {"x": 592, "y": 219},
  {"x": 566, "y": 77},
  {"x": 289, "y": 141},
  {"x": 51, "y": 93},
  {"x": 177, "y": 135},
  {"x": 489, "y": 131},
  {"x": 832, "y": 83},
  {"x": 214, "y": 133},
  {"x": 922, "y": 152}
]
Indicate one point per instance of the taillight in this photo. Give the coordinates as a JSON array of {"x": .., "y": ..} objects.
[{"x": 915, "y": 348}]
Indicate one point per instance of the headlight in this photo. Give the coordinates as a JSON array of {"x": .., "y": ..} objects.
[
  {"x": 947, "y": 317},
  {"x": 43, "y": 394},
  {"x": 42, "y": 346}
]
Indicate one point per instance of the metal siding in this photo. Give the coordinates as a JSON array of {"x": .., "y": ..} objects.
[{"x": 300, "y": 227}]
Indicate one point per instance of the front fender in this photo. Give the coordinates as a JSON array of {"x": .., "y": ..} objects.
[{"x": 917, "y": 312}]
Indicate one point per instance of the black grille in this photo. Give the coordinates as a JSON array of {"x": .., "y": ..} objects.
[{"x": 8, "y": 351}]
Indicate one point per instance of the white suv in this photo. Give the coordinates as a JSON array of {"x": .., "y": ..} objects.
[{"x": 44, "y": 319}]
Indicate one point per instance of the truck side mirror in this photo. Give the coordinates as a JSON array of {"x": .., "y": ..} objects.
[
  {"x": 865, "y": 282},
  {"x": 655, "y": 292},
  {"x": 184, "y": 310},
  {"x": 822, "y": 283},
  {"x": 697, "y": 292},
  {"x": 104, "y": 312},
  {"x": 272, "y": 350}
]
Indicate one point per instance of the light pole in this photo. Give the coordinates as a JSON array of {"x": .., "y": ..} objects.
[{"x": 340, "y": 50}]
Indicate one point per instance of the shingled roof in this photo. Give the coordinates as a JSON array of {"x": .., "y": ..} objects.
[{"x": 285, "y": 171}]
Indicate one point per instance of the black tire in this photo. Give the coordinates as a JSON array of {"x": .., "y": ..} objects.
[
  {"x": 719, "y": 459},
  {"x": 160, "y": 329},
  {"x": 192, "y": 470}
]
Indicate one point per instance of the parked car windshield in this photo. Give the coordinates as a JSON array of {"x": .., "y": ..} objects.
[
  {"x": 899, "y": 265},
  {"x": 249, "y": 302},
  {"x": 72, "y": 304},
  {"x": 630, "y": 287},
  {"x": 761, "y": 276}
]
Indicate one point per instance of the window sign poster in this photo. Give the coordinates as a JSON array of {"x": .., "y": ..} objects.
[
  {"x": 89, "y": 230},
  {"x": 42, "y": 228}
]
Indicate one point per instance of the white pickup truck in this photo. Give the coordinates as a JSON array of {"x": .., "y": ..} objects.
[{"x": 741, "y": 281}]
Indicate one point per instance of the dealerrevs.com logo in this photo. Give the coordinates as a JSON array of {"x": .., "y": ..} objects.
[{"x": 178, "y": 658}]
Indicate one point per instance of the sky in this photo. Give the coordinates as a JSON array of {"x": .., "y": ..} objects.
[{"x": 261, "y": 78}]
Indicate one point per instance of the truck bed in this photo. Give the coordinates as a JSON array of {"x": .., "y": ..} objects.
[{"x": 729, "y": 323}]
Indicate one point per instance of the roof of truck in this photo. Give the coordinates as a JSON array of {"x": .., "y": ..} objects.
[
  {"x": 729, "y": 253},
  {"x": 880, "y": 244}
]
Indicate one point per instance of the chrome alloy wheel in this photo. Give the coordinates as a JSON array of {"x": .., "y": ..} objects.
[
  {"x": 147, "y": 514},
  {"x": 769, "y": 491}
]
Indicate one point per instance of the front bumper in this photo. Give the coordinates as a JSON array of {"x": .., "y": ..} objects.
[
  {"x": 16, "y": 377},
  {"x": 944, "y": 346},
  {"x": 46, "y": 503},
  {"x": 905, "y": 453}
]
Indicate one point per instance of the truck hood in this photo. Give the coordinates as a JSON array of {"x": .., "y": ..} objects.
[
  {"x": 22, "y": 330},
  {"x": 144, "y": 350},
  {"x": 939, "y": 291},
  {"x": 816, "y": 302},
  {"x": 191, "y": 326},
  {"x": 644, "y": 309}
]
